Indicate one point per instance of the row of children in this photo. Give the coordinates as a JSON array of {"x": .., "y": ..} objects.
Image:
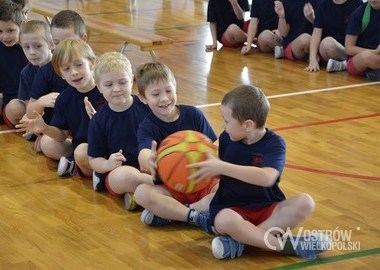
[
  {"x": 343, "y": 34},
  {"x": 116, "y": 143}
]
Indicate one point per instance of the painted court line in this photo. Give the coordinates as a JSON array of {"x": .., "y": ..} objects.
[
  {"x": 349, "y": 256},
  {"x": 304, "y": 92},
  {"x": 8, "y": 131},
  {"x": 348, "y": 175}
]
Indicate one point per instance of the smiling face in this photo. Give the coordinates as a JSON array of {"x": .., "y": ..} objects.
[
  {"x": 116, "y": 87},
  {"x": 9, "y": 32},
  {"x": 161, "y": 98},
  {"x": 78, "y": 73},
  {"x": 36, "y": 48}
]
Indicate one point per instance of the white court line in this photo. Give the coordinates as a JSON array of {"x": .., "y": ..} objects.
[
  {"x": 269, "y": 97},
  {"x": 8, "y": 131},
  {"x": 302, "y": 92}
]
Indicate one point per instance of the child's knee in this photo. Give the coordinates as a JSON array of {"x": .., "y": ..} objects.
[
  {"x": 306, "y": 204},
  {"x": 223, "y": 221},
  {"x": 142, "y": 195}
]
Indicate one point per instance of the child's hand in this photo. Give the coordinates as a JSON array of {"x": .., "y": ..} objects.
[
  {"x": 89, "y": 108},
  {"x": 210, "y": 48},
  {"x": 313, "y": 66},
  {"x": 116, "y": 160},
  {"x": 206, "y": 169},
  {"x": 21, "y": 127},
  {"x": 48, "y": 101},
  {"x": 279, "y": 9},
  {"x": 308, "y": 12},
  {"x": 246, "y": 49},
  {"x": 35, "y": 125}
]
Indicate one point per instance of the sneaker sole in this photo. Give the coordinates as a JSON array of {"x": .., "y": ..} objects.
[
  {"x": 62, "y": 166},
  {"x": 146, "y": 217},
  {"x": 217, "y": 248},
  {"x": 129, "y": 202}
]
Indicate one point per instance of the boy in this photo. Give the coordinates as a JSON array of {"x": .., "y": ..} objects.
[
  {"x": 73, "y": 59},
  {"x": 327, "y": 39},
  {"x": 47, "y": 84},
  {"x": 157, "y": 87},
  {"x": 249, "y": 201},
  {"x": 363, "y": 41},
  {"x": 295, "y": 24},
  {"x": 226, "y": 19},
  {"x": 11, "y": 52},
  {"x": 263, "y": 25},
  {"x": 36, "y": 42},
  {"x": 25, "y": 7},
  {"x": 112, "y": 132}
]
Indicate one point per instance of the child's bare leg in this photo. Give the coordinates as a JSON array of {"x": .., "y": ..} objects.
[
  {"x": 267, "y": 40},
  {"x": 301, "y": 46},
  {"x": 81, "y": 159},
  {"x": 290, "y": 213},
  {"x": 235, "y": 35},
  {"x": 126, "y": 179},
  {"x": 366, "y": 59},
  {"x": 54, "y": 149},
  {"x": 159, "y": 201},
  {"x": 204, "y": 203},
  {"x": 231, "y": 223},
  {"x": 15, "y": 110},
  {"x": 330, "y": 48}
]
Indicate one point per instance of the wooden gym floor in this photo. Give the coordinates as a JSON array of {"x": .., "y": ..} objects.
[{"x": 330, "y": 122}]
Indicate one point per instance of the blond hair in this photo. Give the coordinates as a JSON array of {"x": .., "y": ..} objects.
[
  {"x": 111, "y": 61},
  {"x": 68, "y": 49}
]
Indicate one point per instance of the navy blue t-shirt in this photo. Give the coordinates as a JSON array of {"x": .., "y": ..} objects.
[
  {"x": 264, "y": 11},
  {"x": 269, "y": 151},
  {"x": 26, "y": 79},
  {"x": 296, "y": 20},
  {"x": 333, "y": 18},
  {"x": 110, "y": 131},
  {"x": 70, "y": 113},
  {"x": 190, "y": 118},
  {"x": 221, "y": 12},
  {"x": 370, "y": 37},
  {"x": 13, "y": 60}
]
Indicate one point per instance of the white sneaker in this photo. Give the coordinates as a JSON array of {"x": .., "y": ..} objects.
[
  {"x": 279, "y": 52},
  {"x": 334, "y": 65},
  {"x": 129, "y": 201},
  {"x": 66, "y": 167}
]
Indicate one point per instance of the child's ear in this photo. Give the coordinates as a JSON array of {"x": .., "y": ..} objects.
[
  {"x": 249, "y": 124},
  {"x": 51, "y": 45}
]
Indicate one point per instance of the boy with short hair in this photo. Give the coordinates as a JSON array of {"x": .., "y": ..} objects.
[
  {"x": 36, "y": 42},
  {"x": 363, "y": 41},
  {"x": 10, "y": 52},
  {"x": 249, "y": 200},
  {"x": 74, "y": 60},
  {"x": 157, "y": 87},
  {"x": 112, "y": 132},
  {"x": 47, "y": 84}
]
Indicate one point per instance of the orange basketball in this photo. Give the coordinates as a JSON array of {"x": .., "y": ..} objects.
[{"x": 176, "y": 152}]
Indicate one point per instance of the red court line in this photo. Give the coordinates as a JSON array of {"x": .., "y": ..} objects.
[
  {"x": 349, "y": 175},
  {"x": 328, "y": 121}
]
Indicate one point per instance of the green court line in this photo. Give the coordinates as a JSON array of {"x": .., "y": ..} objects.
[{"x": 332, "y": 259}]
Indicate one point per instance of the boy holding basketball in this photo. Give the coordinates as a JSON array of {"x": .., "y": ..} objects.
[
  {"x": 157, "y": 87},
  {"x": 249, "y": 201},
  {"x": 112, "y": 132}
]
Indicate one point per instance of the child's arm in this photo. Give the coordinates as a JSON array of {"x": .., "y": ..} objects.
[
  {"x": 37, "y": 125},
  {"x": 90, "y": 110},
  {"x": 39, "y": 105},
  {"x": 214, "y": 44},
  {"x": 252, "y": 31},
  {"x": 314, "y": 46},
  {"x": 213, "y": 166},
  {"x": 283, "y": 27},
  {"x": 147, "y": 159},
  {"x": 102, "y": 165},
  {"x": 308, "y": 12},
  {"x": 239, "y": 12}
]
